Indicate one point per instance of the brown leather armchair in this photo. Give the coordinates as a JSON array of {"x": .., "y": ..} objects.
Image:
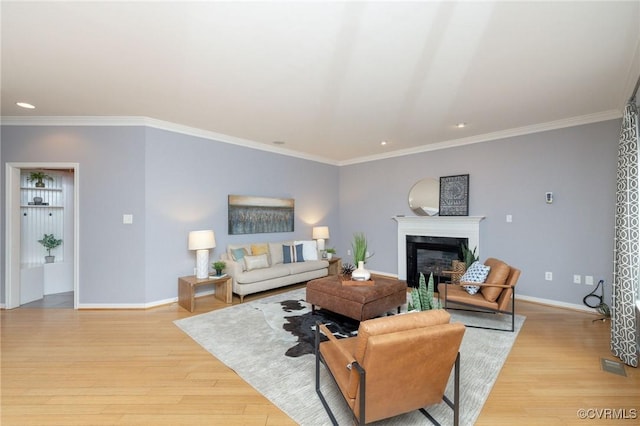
[
  {"x": 394, "y": 365},
  {"x": 496, "y": 295}
]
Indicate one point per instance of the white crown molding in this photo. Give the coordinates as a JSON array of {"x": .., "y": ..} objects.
[
  {"x": 219, "y": 137},
  {"x": 487, "y": 137},
  {"x": 156, "y": 124}
]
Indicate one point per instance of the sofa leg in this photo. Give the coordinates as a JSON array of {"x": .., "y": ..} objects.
[{"x": 241, "y": 298}]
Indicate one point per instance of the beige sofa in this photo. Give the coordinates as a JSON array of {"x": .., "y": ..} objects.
[{"x": 256, "y": 267}]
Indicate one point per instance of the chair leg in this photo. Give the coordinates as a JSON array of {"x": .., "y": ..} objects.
[
  {"x": 325, "y": 404},
  {"x": 455, "y": 405},
  {"x": 512, "y": 313}
]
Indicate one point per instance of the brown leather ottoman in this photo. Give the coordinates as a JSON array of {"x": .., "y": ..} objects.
[{"x": 361, "y": 302}]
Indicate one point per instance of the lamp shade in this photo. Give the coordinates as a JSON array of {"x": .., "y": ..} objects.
[
  {"x": 201, "y": 240},
  {"x": 320, "y": 232}
]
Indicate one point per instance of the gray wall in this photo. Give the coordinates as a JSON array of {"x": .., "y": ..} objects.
[
  {"x": 574, "y": 235},
  {"x": 172, "y": 184}
]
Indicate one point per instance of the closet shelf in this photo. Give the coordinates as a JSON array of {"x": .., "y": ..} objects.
[{"x": 31, "y": 188}]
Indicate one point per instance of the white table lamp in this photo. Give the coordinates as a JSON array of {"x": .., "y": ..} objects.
[
  {"x": 202, "y": 241},
  {"x": 320, "y": 233}
]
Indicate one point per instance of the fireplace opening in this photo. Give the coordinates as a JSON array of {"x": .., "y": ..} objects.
[{"x": 428, "y": 255}]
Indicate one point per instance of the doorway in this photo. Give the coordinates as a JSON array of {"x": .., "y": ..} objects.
[{"x": 26, "y": 276}]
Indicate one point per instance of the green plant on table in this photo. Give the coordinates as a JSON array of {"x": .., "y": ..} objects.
[
  {"x": 331, "y": 250},
  {"x": 359, "y": 247},
  {"x": 219, "y": 266}
]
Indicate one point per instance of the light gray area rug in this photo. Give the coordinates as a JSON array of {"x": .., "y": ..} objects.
[{"x": 249, "y": 339}]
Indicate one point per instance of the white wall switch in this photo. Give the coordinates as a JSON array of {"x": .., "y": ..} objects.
[
  {"x": 588, "y": 279},
  {"x": 548, "y": 276},
  {"x": 577, "y": 279},
  {"x": 127, "y": 219},
  {"x": 509, "y": 218}
]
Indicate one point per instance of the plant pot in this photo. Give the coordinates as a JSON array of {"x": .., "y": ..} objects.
[
  {"x": 49, "y": 259},
  {"x": 329, "y": 256},
  {"x": 40, "y": 184},
  {"x": 360, "y": 274},
  {"x": 218, "y": 272}
]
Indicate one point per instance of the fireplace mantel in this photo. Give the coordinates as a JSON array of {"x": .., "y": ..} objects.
[{"x": 435, "y": 226}]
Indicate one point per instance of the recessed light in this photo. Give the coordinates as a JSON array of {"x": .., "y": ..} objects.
[
  {"x": 461, "y": 125},
  {"x": 383, "y": 143},
  {"x": 25, "y": 105},
  {"x": 278, "y": 142}
]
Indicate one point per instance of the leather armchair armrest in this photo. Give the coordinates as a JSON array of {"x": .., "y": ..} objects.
[
  {"x": 348, "y": 357},
  {"x": 486, "y": 285}
]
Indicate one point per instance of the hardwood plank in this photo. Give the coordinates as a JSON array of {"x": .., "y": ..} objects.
[{"x": 61, "y": 366}]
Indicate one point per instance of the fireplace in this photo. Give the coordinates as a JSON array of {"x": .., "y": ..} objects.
[
  {"x": 428, "y": 254},
  {"x": 455, "y": 227}
]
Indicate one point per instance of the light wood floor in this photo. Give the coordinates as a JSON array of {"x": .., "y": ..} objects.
[{"x": 66, "y": 367}]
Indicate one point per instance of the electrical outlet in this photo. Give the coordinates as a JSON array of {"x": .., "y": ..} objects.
[
  {"x": 577, "y": 279},
  {"x": 367, "y": 254},
  {"x": 348, "y": 252},
  {"x": 548, "y": 276},
  {"x": 509, "y": 218},
  {"x": 588, "y": 279}
]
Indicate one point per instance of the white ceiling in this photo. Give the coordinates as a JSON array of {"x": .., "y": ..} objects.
[{"x": 330, "y": 79}]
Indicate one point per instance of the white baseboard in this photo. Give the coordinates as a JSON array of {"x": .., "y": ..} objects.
[
  {"x": 148, "y": 305},
  {"x": 556, "y": 304}
]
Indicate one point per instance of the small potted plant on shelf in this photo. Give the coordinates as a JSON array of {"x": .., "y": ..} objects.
[
  {"x": 219, "y": 266},
  {"x": 50, "y": 242},
  {"x": 330, "y": 253},
  {"x": 39, "y": 177}
]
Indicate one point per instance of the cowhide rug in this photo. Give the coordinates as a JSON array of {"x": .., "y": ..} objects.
[{"x": 297, "y": 323}]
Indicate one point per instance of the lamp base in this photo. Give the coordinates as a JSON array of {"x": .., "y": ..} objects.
[{"x": 202, "y": 264}]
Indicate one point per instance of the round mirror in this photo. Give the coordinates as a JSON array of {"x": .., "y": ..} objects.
[{"x": 424, "y": 197}]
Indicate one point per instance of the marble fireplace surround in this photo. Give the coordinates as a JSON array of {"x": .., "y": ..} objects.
[{"x": 435, "y": 226}]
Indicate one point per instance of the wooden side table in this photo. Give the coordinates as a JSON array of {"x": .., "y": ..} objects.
[
  {"x": 335, "y": 265},
  {"x": 187, "y": 290}
]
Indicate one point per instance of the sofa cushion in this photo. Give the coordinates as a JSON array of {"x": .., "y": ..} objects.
[
  {"x": 309, "y": 249},
  {"x": 306, "y": 266},
  {"x": 275, "y": 251},
  {"x": 498, "y": 275},
  {"x": 238, "y": 254},
  {"x": 292, "y": 253},
  {"x": 257, "y": 249},
  {"x": 256, "y": 262},
  {"x": 262, "y": 274}
]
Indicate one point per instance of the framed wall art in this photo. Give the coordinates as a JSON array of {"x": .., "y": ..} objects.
[
  {"x": 256, "y": 215},
  {"x": 454, "y": 195}
]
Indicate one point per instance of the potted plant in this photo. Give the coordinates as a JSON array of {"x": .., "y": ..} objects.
[
  {"x": 219, "y": 266},
  {"x": 422, "y": 297},
  {"x": 330, "y": 253},
  {"x": 39, "y": 177},
  {"x": 49, "y": 242},
  {"x": 469, "y": 256},
  {"x": 360, "y": 256}
]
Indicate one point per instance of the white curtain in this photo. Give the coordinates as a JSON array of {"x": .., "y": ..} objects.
[{"x": 627, "y": 242}]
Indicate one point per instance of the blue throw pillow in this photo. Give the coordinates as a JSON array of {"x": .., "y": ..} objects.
[
  {"x": 238, "y": 254},
  {"x": 292, "y": 254},
  {"x": 477, "y": 273}
]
